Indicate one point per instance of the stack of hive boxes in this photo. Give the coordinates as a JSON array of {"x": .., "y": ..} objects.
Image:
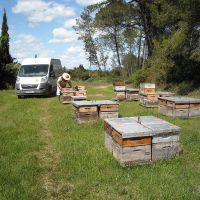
[
  {"x": 132, "y": 94},
  {"x": 80, "y": 93},
  {"x": 184, "y": 107},
  {"x": 139, "y": 140},
  {"x": 148, "y": 95},
  {"x": 119, "y": 90},
  {"x": 85, "y": 111},
  {"x": 67, "y": 94}
]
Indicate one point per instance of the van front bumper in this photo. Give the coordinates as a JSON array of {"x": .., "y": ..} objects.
[{"x": 43, "y": 89}]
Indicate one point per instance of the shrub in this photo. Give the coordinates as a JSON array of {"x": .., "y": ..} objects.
[{"x": 184, "y": 88}]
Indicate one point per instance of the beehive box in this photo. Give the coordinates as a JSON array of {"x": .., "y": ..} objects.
[
  {"x": 183, "y": 107},
  {"x": 147, "y": 88},
  {"x": 165, "y": 138},
  {"x": 85, "y": 111},
  {"x": 78, "y": 98},
  {"x": 119, "y": 86},
  {"x": 108, "y": 109},
  {"x": 120, "y": 96},
  {"x": 66, "y": 96},
  {"x": 80, "y": 87},
  {"x": 80, "y": 93},
  {"x": 141, "y": 140},
  {"x": 132, "y": 94},
  {"x": 149, "y": 100}
]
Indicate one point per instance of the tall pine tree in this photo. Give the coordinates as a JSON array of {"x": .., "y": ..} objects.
[
  {"x": 4, "y": 45},
  {"x": 5, "y": 57}
]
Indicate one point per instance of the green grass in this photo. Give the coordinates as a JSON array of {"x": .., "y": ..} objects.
[{"x": 85, "y": 168}]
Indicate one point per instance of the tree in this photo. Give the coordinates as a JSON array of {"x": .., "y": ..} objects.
[
  {"x": 86, "y": 30},
  {"x": 110, "y": 19},
  {"x": 4, "y": 45}
]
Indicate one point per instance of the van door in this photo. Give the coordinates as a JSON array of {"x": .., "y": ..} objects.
[{"x": 52, "y": 77}]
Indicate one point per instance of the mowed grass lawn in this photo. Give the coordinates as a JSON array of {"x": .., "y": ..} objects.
[{"x": 45, "y": 154}]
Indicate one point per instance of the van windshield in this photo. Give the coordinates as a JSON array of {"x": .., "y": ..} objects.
[{"x": 33, "y": 70}]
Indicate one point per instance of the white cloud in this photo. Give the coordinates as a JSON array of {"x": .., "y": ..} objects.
[
  {"x": 42, "y": 11},
  {"x": 88, "y": 2},
  {"x": 74, "y": 56},
  {"x": 70, "y": 23},
  {"x": 27, "y": 46},
  {"x": 62, "y": 35}
]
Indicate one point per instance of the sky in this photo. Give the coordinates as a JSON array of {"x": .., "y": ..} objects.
[{"x": 44, "y": 27}]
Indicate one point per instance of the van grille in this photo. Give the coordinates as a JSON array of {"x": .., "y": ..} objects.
[{"x": 29, "y": 86}]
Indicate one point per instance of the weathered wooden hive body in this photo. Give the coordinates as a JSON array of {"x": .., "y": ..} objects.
[
  {"x": 80, "y": 91},
  {"x": 67, "y": 94},
  {"x": 147, "y": 88},
  {"x": 85, "y": 111},
  {"x": 119, "y": 90},
  {"x": 149, "y": 99},
  {"x": 184, "y": 107},
  {"x": 132, "y": 141},
  {"x": 132, "y": 94}
]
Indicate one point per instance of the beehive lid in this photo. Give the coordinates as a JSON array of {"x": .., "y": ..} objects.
[
  {"x": 78, "y": 97},
  {"x": 129, "y": 127},
  {"x": 132, "y": 89},
  {"x": 181, "y": 99},
  {"x": 84, "y": 103},
  {"x": 106, "y": 102},
  {"x": 146, "y": 94},
  {"x": 158, "y": 126},
  {"x": 165, "y": 93}
]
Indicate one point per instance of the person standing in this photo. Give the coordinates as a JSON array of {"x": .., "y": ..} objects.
[{"x": 62, "y": 82}]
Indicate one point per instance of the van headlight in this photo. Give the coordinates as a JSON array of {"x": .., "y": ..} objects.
[
  {"x": 44, "y": 79},
  {"x": 17, "y": 80}
]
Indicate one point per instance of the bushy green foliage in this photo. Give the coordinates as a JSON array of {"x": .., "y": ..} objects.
[
  {"x": 139, "y": 76},
  {"x": 184, "y": 88}
]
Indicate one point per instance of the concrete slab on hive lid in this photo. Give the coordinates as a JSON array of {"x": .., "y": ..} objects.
[
  {"x": 129, "y": 127},
  {"x": 181, "y": 99},
  {"x": 158, "y": 126}
]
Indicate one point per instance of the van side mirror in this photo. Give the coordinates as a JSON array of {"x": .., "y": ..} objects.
[{"x": 52, "y": 74}]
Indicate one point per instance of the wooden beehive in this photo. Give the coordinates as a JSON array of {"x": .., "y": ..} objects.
[
  {"x": 80, "y": 87},
  {"x": 147, "y": 88},
  {"x": 149, "y": 100},
  {"x": 132, "y": 94},
  {"x": 85, "y": 111},
  {"x": 120, "y": 96},
  {"x": 119, "y": 86},
  {"x": 141, "y": 140},
  {"x": 108, "y": 109},
  {"x": 165, "y": 138},
  {"x": 183, "y": 107},
  {"x": 66, "y": 96}
]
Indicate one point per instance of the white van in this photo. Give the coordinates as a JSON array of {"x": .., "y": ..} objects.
[{"x": 38, "y": 76}]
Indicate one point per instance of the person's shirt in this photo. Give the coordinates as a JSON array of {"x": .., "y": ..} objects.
[{"x": 62, "y": 83}]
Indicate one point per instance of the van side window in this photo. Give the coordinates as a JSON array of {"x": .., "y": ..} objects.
[{"x": 51, "y": 67}]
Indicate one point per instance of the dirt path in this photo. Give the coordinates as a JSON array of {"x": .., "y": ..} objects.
[{"x": 51, "y": 185}]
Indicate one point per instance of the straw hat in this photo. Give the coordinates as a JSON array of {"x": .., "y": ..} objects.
[{"x": 66, "y": 76}]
